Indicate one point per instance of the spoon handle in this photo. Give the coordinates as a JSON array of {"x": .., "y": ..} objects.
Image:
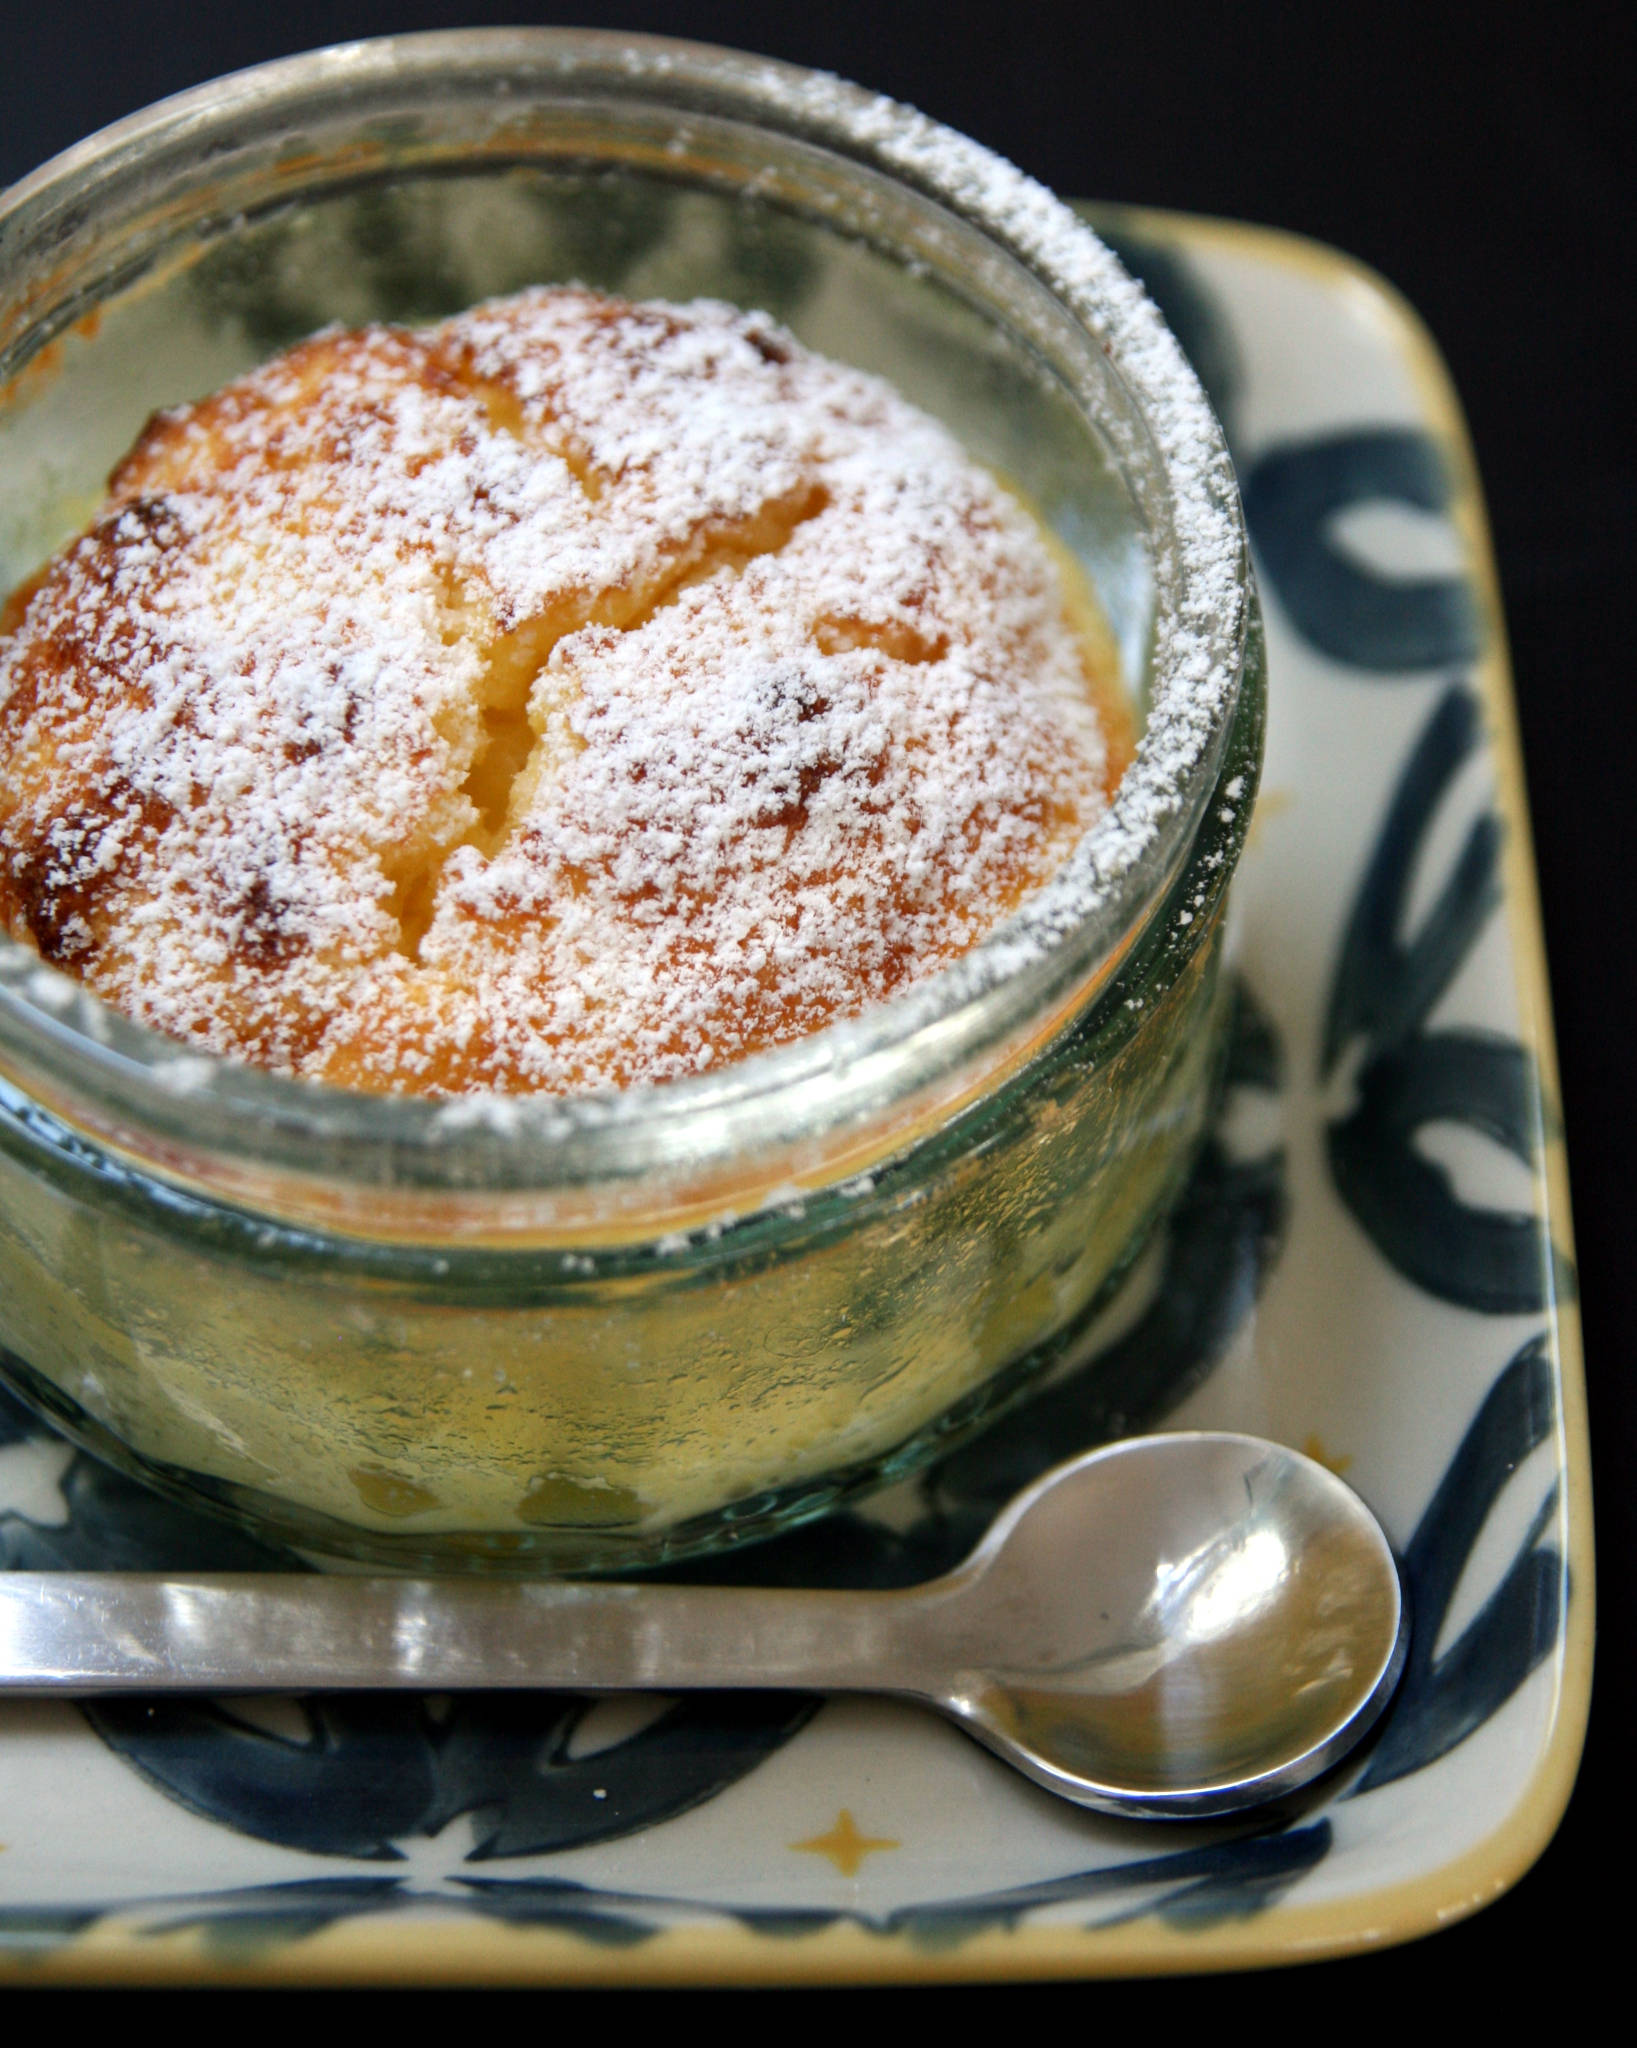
[{"x": 91, "y": 1632}]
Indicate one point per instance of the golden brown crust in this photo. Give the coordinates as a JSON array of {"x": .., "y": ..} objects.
[{"x": 575, "y": 694}]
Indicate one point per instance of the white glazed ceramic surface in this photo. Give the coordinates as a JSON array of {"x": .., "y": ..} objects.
[{"x": 1373, "y": 1263}]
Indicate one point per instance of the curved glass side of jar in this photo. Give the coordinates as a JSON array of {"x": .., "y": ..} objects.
[
  {"x": 595, "y": 1409},
  {"x": 370, "y": 1328}
]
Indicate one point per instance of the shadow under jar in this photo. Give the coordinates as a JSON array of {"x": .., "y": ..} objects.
[{"x": 588, "y": 1333}]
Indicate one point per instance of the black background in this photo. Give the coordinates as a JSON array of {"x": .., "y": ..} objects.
[{"x": 1483, "y": 161}]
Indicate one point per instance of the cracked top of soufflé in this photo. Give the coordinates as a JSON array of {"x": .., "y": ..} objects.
[{"x": 575, "y": 694}]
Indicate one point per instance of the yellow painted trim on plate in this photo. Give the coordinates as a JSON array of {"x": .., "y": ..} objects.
[{"x": 446, "y": 1949}]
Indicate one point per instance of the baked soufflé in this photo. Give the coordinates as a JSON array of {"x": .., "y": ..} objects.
[{"x": 573, "y": 695}]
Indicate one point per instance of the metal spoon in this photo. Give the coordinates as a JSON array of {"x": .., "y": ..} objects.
[{"x": 1174, "y": 1625}]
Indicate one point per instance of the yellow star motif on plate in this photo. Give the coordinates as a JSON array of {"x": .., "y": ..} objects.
[
  {"x": 1333, "y": 1461},
  {"x": 844, "y": 1845}
]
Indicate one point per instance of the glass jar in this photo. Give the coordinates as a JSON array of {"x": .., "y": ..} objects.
[{"x": 582, "y": 1334}]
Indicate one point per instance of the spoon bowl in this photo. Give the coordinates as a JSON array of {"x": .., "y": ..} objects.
[
  {"x": 1191, "y": 1623},
  {"x": 1175, "y": 1625}
]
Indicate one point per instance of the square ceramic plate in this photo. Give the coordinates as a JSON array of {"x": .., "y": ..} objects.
[{"x": 1372, "y": 1263}]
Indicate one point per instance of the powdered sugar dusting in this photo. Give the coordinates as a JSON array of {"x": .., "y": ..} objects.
[
  {"x": 573, "y": 695},
  {"x": 1200, "y": 556}
]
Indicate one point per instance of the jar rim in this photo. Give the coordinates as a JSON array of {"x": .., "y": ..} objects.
[{"x": 916, "y": 1053}]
